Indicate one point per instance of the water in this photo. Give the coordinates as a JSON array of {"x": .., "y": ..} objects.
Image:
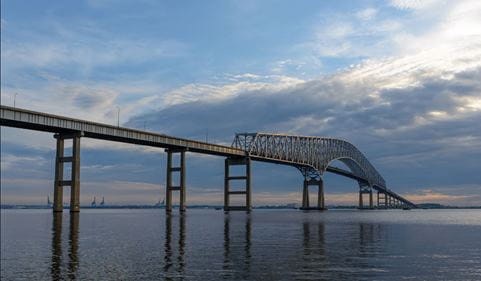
[{"x": 265, "y": 245}]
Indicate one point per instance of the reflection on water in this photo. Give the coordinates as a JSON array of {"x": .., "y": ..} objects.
[
  {"x": 56, "y": 261},
  {"x": 313, "y": 244},
  {"x": 73, "y": 246},
  {"x": 172, "y": 264},
  {"x": 237, "y": 250},
  {"x": 56, "y": 246},
  {"x": 263, "y": 245}
]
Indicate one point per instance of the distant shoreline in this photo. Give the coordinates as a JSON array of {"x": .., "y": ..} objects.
[{"x": 19, "y": 207}]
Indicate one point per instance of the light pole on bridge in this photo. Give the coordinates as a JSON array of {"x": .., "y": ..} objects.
[
  {"x": 118, "y": 116},
  {"x": 14, "y": 99}
]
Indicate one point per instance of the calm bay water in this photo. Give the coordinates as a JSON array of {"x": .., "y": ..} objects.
[{"x": 265, "y": 245}]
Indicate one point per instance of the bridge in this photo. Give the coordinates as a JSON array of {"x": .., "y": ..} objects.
[{"x": 312, "y": 156}]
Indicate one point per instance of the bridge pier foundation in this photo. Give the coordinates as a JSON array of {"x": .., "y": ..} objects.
[
  {"x": 169, "y": 187},
  {"x": 378, "y": 205},
  {"x": 320, "y": 194},
  {"x": 246, "y": 161},
  {"x": 381, "y": 200},
  {"x": 305, "y": 195},
  {"x": 365, "y": 188},
  {"x": 74, "y": 181}
]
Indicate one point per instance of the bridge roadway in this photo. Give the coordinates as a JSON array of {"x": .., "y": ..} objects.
[{"x": 71, "y": 128}]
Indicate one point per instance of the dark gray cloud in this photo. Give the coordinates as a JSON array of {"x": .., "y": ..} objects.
[{"x": 427, "y": 134}]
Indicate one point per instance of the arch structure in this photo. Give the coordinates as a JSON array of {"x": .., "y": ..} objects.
[{"x": 311, "y": 155}]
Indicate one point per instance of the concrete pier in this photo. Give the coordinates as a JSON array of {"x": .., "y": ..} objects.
[
  {"x": 365, "y": 188},
  {"x": 382, "y": 200},
  {"x": 74, "y": 181},
  {"x": 320, "y": 194},
  {"x": 246, "y": 177},
  {"x": 169, "y": 187}
]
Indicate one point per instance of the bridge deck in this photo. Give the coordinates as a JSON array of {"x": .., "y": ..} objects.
[{"x": 26, "y": 119}]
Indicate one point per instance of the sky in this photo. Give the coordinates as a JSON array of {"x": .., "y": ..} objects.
[{"x": 399, "y": 79}]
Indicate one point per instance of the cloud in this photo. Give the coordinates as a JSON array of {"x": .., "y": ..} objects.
[
  {"x": 412, "y": 112},
  {"x": 10, "y": 161},
  {"x": 413, "y": 4},
  {"x": 453, "y": 196},
  {"x": 82, "y": 48},
  {"x": 366, "y": 14}
]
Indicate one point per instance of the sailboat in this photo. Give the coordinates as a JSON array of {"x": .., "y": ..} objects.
[
  {"x": 93, "y": 204},
  {"x": 49, "y": 204},
  {"x": 102, "y": 204}
]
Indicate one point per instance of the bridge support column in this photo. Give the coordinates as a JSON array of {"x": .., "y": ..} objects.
[
  {"x": 365, "y": 188},
  {"x": 246, "y": 161},
  {"x": 169, "y": 187},
  {"x": 381, "y": 200},
  {"x": 305, "y": 196},
  {"x": 74, "y": 181},
  {"x": 320, "y": 194},
  {"x": 371, "y": 205}
]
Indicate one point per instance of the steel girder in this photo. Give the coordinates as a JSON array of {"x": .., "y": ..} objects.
[{"x": 315, "y": 152}]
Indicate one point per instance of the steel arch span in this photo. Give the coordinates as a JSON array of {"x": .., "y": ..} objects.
[{"x": 309, "y": 154}]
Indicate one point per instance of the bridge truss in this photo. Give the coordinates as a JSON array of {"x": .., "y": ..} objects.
[{"x": 312, "y": 156}]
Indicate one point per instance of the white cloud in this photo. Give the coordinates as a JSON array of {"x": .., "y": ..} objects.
[
  {"x": 414, "y": 4},
  {"x": 10, "y": 161},
  {"x": 366, "y": 14},
  {"x": 212, "y": 93},
  {"x": 84, "y": 50}
]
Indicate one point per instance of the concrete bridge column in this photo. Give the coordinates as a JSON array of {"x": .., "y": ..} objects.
[
  {"x": 246, "y": 161},
  {"x": 320, "y": 194},
  {"x": 74, "y": 181},
  {"x": 371, "y": 206},
  {"x": 305, "y": 195},
  {"x": 169, "y": 187},
  {"x": 58, "y": 187},
  {"x": 365, "y": 188},
  {"x": 75, "y": 176}
]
